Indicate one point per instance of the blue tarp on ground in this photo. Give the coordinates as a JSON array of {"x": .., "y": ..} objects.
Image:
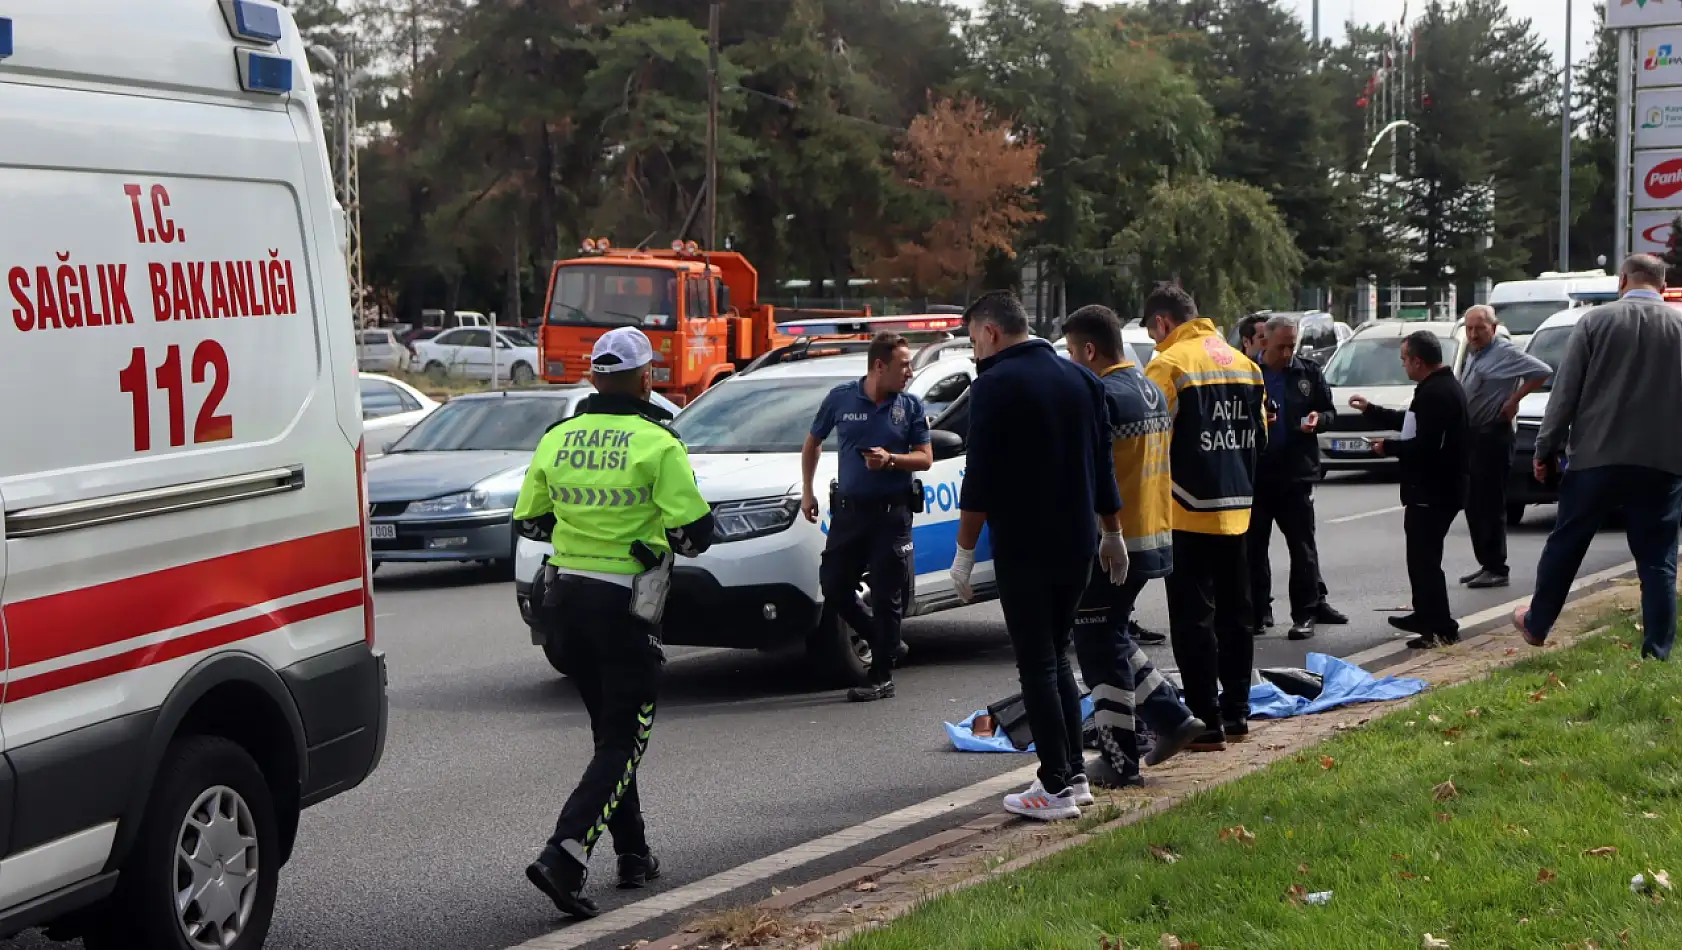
[{"x": 1345, "y": 684}]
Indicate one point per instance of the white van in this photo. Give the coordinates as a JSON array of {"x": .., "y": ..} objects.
[
  {"x": 184, "y": 581},
  {"x": 1522, "y": 305}
]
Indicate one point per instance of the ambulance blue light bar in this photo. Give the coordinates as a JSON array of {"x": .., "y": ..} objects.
[
  {"x": 906, "y": 324},
  {"x": 255, "y": 22},
  {"x": 264, "y": 73},
  {"x": 5, "y": 37}
]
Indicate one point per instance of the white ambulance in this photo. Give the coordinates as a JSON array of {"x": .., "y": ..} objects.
[{"x": 184, "y": 583}]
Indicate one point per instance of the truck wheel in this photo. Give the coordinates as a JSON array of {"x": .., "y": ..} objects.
[
  {"x": 840, "y": 654},
  {"x": 205, "y": 863},
  {"x": 1515, "y": 515}
]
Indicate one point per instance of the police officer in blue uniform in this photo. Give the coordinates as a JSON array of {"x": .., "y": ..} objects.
[{"x": 884, "y": 437}]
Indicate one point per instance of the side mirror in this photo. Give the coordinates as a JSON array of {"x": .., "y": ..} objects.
[{"x": 946, "y": 445}]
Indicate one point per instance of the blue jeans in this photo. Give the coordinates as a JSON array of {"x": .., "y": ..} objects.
[{"x": 1652, "y": 507}]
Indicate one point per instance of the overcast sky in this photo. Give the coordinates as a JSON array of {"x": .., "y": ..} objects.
[{"x": 1547, "y": 15}]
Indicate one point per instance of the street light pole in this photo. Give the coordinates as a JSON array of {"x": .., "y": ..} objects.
[
  {"x": 712, "y": 127},
  {"x": 1565, "y": 153}
]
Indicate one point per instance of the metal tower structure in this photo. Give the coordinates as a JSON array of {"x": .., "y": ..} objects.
[{"x": 347, "y": 168}]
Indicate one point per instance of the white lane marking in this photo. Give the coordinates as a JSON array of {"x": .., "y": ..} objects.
[
  {"x": 753, "y": 872},
  {"x": 1493, "y": 613},
  {"x": 1365, "y": 514}
]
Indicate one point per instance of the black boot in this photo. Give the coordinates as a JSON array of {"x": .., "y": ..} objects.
[
  {"x": 871, "y": 693},
  {"x": 561, "y": 877},
  {"x": 636, "y": 870}
]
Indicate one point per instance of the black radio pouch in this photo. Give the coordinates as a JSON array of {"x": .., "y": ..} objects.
[{"x": 916, "y": 496}]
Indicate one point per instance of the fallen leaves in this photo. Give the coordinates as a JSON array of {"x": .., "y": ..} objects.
[
  {"x": 1544, "y": 876},
  {"x": 1171, "y": 942},
  {"x": 1539, "y": 695},
  {"x": 1605, "y": 851},
  {"x": 1302, "y": 869},
  {"x": 1555, "y": 681},
  {"x": 1435, "y": 719},
  {"x": 1511, "y": 651},
  {"x": 1238, "y": 833},
  {"x": 1406, "y": 875},
  {"x": 1444, "y": 792},
  {"x": 1453, "y": 733},
  {"x": 1474, "y": 712},
  {"x": 865, "y": 887},
  {"x": 1296, "y": 894},
  {"x": 633, "y": 945},
  {"x": 1327, "y": 761},
  {"x": 1163, "y": 854},
  {"x": 1444, "y": 817},
  {"x": 1432, "y": 943}
]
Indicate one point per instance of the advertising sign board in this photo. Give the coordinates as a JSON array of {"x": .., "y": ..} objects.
[
  {"x": 1658, "y": 57},
  {"x": 1658, "y": 118},
  {"x": 1658, "y": 179},
  {"x": 1627, "y": 13},
  {"x": 1652, "y": 232}
]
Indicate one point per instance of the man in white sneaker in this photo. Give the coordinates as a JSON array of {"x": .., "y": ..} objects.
[{"x": 1039, "y": 468}]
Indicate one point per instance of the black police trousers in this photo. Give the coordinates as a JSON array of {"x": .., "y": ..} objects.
[
  {"x": 616, "y": 660},
  {"x": 869, "y": 536},
  {"x": 1290, "y": 504}
]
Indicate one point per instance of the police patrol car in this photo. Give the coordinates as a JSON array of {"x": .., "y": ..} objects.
[
  {"x": 184, "y": 583},
  {"x": 757, "y": 588}
]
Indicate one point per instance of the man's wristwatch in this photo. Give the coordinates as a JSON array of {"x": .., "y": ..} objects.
[{"x": 890, "y": 460}]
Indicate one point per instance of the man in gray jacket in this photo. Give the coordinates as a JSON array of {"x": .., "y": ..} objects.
[
  {"x": 1496, "y": 376},
  {"x": 1614, "y": 410}
]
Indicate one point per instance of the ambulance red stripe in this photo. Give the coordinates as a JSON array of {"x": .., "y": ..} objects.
[
  {"x": 87, "y": 618},
  {"x": 181, "y": 646}
]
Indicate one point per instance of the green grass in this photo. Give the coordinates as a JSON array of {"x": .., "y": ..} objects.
[{"x": 1563, "y": 753}]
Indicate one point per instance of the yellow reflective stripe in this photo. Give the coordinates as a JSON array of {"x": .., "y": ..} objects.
[
  {"x": 645, "y": 724},
  {"x": 601, "y": 497}
]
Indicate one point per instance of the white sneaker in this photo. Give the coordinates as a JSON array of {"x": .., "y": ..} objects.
[
  {"x": 1083, "y": 791},
  {"x": 1041, "y": 805}
]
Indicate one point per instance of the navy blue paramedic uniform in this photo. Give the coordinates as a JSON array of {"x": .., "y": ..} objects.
[{"x": 870, "y": 515}]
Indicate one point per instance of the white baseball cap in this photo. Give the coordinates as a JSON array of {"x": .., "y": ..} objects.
[{"x": 626, "y": 348}]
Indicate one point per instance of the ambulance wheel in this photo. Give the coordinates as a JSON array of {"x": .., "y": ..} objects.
[
  {"x": 840, "y": 654},
  {"x": 206, "y": 860},
  {"x": 521, "y": 374}
]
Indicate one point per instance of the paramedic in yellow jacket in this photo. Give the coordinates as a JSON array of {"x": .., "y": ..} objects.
[
  {"x": 1218, "y": 403},
  {"x": 1124, "y": 683}
]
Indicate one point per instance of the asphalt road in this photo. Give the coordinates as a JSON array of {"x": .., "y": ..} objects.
[{"x": 747, "y": 759}]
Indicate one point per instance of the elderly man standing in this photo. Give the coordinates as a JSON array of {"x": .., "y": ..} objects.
[
  {"x": 1615, "y": 405},
  {"x": 1299, "y": 404},
  {"x": 1496, "y": 376}
]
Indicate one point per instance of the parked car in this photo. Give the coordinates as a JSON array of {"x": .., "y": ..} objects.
[
  {"x": 757, "y": 587},
  {"x": 1370, "y": 364},
  {"x": 1523, "y": 305},
  {"x": 1319, "y": 334},
  {"x": 390, "y": 407},
  {"x": 446, "y": 490},
  {"x": 381, "y": 351},
  {"x": 1140, "y": 347},
  {"x": 466, "y": 353}
]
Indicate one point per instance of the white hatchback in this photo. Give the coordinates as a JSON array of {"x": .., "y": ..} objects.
[{"x": 757, "y": 588}]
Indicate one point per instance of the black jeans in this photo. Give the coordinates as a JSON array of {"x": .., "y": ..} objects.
[
  {"x": 1209, "y": 623},
  {"x": 1039, "y": 601},
  {"x": 1486, "y": 499},
  {"x": 1426, "y": 528},
  {"x": 616, "y": 660},
  {"x": 1125, "y": 685},
  {"x": 874, "y": 537},
  {"x": 1290, "y": 504}
]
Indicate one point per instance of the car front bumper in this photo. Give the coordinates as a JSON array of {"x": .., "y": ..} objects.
[
  {"x": 1522, "y": 486},
  {"x": 487, "y": 537}
]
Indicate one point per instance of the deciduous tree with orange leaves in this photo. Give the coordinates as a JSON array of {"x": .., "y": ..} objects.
[{"x": 971, "y": 174}]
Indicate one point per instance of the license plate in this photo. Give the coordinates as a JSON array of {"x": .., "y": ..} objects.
[
  {"x": 1351, "y": 445},
  {"x": 383, "y": 532}
]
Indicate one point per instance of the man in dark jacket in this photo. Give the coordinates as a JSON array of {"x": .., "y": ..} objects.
[
  {"x": 1432, "y": 453},
  {"x": 1038, "y": 469},
  {"x": 1299, "y": 406}
]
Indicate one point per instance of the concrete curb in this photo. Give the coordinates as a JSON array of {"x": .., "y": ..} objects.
[{"x": 945, "y": 840}]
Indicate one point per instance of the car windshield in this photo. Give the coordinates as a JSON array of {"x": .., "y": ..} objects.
[
  {"x": 484, "y": 425},
  {"x": 1375, "y": 362},
  {"x": 519, "y": 337},
  {"x": 606, "y": 295},
  {"x": 755, "y": 415},
  {"x": 1549, "y": 347},
  {"x": 1524, "y": 316}
]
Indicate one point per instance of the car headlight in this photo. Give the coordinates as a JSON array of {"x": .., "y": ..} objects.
[
  {"x": 753, "y": 518},
  {"x": 459, "y": 503}
]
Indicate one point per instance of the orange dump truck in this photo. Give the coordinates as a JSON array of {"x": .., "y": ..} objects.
[{"x": 700, "y": 309}]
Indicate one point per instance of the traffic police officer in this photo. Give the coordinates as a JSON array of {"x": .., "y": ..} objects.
[
  {"x": 1299, "y": 407},
  {"x": 612, "y": 489},
  {"x": 884, "y": 436}
]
